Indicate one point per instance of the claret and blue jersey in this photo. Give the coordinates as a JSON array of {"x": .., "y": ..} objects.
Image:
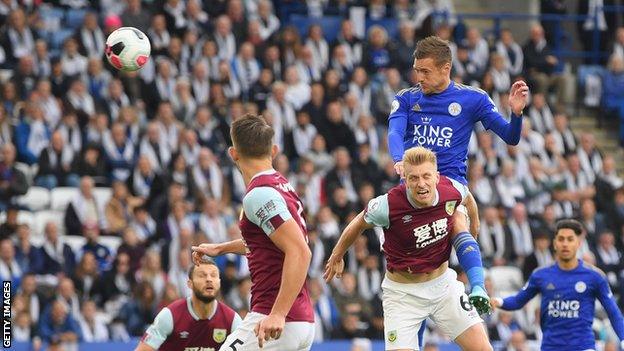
[
  {"x": 567, "y": 307},
  {"x": 443, "y": 122}
]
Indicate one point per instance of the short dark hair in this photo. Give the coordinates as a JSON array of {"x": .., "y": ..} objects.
[
  {"x": 573, "y": 224},
  {"x": 209, "y": 261},
  {"x": 433, "y": 47},
  {"x": 252, "y": 136}
]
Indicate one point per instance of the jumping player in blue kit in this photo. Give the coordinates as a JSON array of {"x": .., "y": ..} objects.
[
  {"x": 440, "y": 114},
  {"x": 569, "y": 290}
]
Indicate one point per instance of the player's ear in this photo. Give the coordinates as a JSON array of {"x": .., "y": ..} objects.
[
  {"x": 233, "y": 154},
  {"x": 274, "y": 151},
  {"x": 189, "y": 284}
]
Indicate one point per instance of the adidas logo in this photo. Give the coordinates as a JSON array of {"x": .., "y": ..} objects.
[
  {"x": 416, "y": 108},
  {"x": 425, "y": 119},
  {"x": 468, "y": 249},
  {"x": 550, "y": 286}
]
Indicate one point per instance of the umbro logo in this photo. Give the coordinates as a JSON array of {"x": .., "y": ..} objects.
[
  {"x": 407, "y": 218},
  {"x": 550, "y": 286},
  {"x": 184, "y": 335},
  {"x": 425, "y": 119}
]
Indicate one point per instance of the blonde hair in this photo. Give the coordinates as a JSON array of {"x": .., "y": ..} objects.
[{"x": 419, "y": 155}]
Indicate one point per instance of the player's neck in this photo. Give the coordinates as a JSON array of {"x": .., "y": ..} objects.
[
  {"x": 442, "y": 87},
  {"x": 249, "y": 168},
  {"x": 567, "y": 265},
  {"x": 203, "y": 310}
]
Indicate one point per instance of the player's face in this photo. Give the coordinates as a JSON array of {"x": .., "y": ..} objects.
[
  {"x": 431, "y": 77},
  {"x": 566, "y": 244},
  {"x": 206, "y": 282},
  {"x": 421, "y": 181}
]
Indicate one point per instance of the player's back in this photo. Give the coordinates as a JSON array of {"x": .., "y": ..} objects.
[
  {"x": 418, "y": 239},
  {"x": 442, "y": 122},
  {"x": 266, "y": 193},
  {"x": 190, "y": 332},
  {"x": 567, "y": 307}
]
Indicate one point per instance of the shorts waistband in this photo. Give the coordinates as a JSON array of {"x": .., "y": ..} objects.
[{"x": 448, "y": 275}]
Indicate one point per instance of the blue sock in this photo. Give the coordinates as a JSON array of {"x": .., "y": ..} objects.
[{"x": 469, "y": 256}]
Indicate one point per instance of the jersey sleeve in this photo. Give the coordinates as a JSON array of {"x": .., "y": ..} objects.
[
  {"x": 491, "y": 119},
  {"x": 605, "y": 296},
  {"x": 516, "y": 302},
  {"x": 378, "y": 212},
  {"x": 397, "y": 126},
  {"x": 158, "y": 332},
  {"x": 266, "y": 208},
  {"x": 463, "y": 190}
]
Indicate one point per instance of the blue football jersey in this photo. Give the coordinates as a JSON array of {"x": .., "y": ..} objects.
[
  {"x": 443, "y": 122},
  {"x": 567, "y": 306}
]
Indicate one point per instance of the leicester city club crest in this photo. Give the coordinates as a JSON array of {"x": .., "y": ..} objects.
[
  {"x": 450, "y": 207},
  {"x": 219, "y": 335}
]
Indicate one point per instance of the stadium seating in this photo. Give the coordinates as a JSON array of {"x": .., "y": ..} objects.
[{"x": 37, "y": 198}]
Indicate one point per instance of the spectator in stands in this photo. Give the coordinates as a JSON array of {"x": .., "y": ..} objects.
[
  {"x": 55, "y": 163},
  {"x": 536, "y": 187},
  {"x": 608, "y": 258},
  {"x": 151, "y": 272},
  {"x": 496, "y": 245},
  {"x": 12, "y": 181},
  {"x": 86, "y": 278},
  {"x": 91, "y": 163},
  {"x": 33, "y": 303},
  {"x": 240, "y": 296},
  {"x": 520, "y": 232},
  {"x": 26, "y": 254},
  {"x": 70, "y": 132},
  {"x": 511, "y": 52},
  {"x": 9, "y": 227},
  {"x": 212, "y": 222},
  {"x": 344, "y": 175},
  {"x": 140, "y": 311},
  {"x": 118, "y": 283},
  {"x": 542, "y": 119},
  {"x": 66, "y": 293},
  {"x": 377, "y": 55},
  {"x": 84, "y": 208},
  {"x": 564, "y": 136},
  {"x": 589, "y": 156},
  {"x": 32, "y": 135},
  {"x": 541, "y": 256},
  {"x": 18, "y": 38},
  {"x": 327, "y": 317},
  {"x": 57, "y": 256},
  {"x": 102, "y": 253},
  {"x": 508, "y": 185},
  {"x": 348, "y": 299},
  {"x": 540, "y": 65},
  {"x": 92, "y": 327},
  {"x": 22, "y": 330},
  {"x": 119, "y": 209},
  {"x": 58, "y": 325},
  {"x": 298, "y": 142},
  {"x": 136, "y": 15},
  {"x": 9, "y": 268},
  {"x": 613, "y": 89}
]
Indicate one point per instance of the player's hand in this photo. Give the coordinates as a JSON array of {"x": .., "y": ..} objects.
[
  {"x": 204, "y": 249},
  {"x": 495, "y": 303},
  {"x": 518, "y": 97},
  {"x": 334, "y": 267},
  {"x": 270, "y": 327},
  {"x": 398, "y": 167}
]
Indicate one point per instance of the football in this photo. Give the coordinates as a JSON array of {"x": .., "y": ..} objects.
[{"x": 127, "y": 49}]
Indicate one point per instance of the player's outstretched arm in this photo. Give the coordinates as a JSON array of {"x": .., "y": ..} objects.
[
  {"x": 297, "y": 256},
  {"x": 608, "y": 302},
  {"x": 335, "y": 264},
  {"x": 491, "y": 119},
  {"x": 213, "y": 250},
  {"x": 397, "y": 125},
  {"x": 144, "y": 347},
  {"x": 518, "y": 301}
]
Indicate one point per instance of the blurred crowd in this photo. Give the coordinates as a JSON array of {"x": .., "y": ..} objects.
[{"x": 155, "y": 143}]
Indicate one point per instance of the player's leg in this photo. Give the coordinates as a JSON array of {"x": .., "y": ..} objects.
[
  {"x": 459, "y": 320},
  {"x": 403, "y": 315},
  {"x": 469, "y": 256}
]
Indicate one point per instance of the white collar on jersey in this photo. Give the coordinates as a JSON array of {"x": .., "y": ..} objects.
[
  {"x": 192, "y": 311},
  {"x": 267, "y": 172},
  {"x": 413, "y": 203}
]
